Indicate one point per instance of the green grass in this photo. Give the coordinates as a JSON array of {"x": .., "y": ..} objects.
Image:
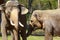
[
  {"x": 34, "y": 38},
  {"x": 0, "y": 38}
]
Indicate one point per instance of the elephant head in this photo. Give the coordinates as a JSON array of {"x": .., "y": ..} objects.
[
  {"x": 35, "y": 22},
  {"x": 12, "y": 7}
]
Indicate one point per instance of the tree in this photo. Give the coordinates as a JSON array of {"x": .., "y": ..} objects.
[
  {"x": 30, "y": 5},
  {"x": 58, "y": 3}
]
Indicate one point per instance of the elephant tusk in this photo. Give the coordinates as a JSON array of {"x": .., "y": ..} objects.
[
  {"x": 12, "y": 23},
  {"x": 21, "y": 24}
]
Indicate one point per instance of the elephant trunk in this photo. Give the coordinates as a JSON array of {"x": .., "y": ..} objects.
[{"x": 30, "y": 29}]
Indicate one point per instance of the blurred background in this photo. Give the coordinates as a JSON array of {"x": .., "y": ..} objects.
[{"x": 41, "y": 5}]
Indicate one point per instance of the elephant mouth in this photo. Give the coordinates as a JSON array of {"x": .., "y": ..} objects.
[{"x": 35, "y": 26}]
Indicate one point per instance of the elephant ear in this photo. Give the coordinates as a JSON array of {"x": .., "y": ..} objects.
[
  {"x": 37, "y": 16},
  {"x": 24, "y": 10},
  {"x": 2, "y": 7}
]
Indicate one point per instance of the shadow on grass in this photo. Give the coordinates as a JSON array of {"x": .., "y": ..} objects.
[{"x": 0, "y": 34}]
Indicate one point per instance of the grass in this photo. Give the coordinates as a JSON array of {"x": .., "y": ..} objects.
[{"x": 34, "y": 38}]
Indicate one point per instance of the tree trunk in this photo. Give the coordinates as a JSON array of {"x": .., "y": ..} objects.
[
  {"x": 30, "y": 5},
  {"x": 58, "y": 3}
]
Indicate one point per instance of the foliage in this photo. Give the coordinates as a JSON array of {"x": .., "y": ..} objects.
[{"x": 41, "y": 4}]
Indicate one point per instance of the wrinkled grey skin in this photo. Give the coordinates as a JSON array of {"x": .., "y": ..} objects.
[
  {"x": 13, "y": 11},
  {"x": 49, "y": 20}
]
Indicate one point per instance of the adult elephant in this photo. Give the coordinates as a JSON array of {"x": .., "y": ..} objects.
[
  {"x": 48, "y": 20},
  {"x": 13, "y": 19}
]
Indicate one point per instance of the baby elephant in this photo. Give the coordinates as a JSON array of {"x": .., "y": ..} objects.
[{"x": 49, "y": 20}]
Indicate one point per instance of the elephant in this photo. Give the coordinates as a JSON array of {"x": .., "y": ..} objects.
[
  {"x": 48, "y": 21},
  {"x": 13, "y": 16}
]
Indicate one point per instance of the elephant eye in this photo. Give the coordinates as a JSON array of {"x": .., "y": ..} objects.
[
  {"x": 31, "y": 20},
  {"x": 39, "y": 15}
]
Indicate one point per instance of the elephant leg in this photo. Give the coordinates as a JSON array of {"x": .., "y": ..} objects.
[
  {"x": 48, "y": 35},
  {"x": 48, "y": 30},
  {"x": 23, "y": 34},
  {"x": 3, "y": 27},
  {"x": 12, "y": 35},
  {"x": 18, "y": 36},
  {"x": 4, "y": 34}
]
